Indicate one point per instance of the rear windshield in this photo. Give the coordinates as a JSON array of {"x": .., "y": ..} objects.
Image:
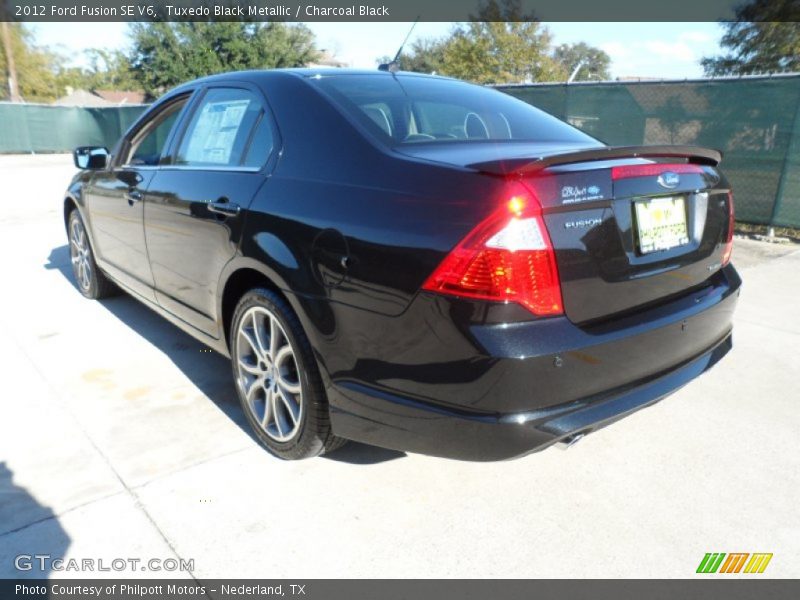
[{"x": 411, "y": 109}]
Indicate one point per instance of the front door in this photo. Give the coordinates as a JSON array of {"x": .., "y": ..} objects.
[{"x": 115, "y": 199}]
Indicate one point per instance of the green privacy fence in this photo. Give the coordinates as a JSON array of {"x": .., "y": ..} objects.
[
  {"x": 26, "y": 128},
  {"x": 755, "y": 121}
]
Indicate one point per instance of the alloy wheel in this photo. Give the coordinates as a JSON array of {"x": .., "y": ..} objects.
[
  {"x": 80, "y": 254},
  {"x": 267, "y": 374}
]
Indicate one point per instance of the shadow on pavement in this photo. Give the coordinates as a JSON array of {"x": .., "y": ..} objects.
[
  {"x": 209, "y": 371},
  {"x": 27, "y": 528},
  {"x": 357, "y": 453}
]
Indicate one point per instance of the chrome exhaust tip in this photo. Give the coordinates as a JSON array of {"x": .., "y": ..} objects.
[{"x": 569, "y": 441}]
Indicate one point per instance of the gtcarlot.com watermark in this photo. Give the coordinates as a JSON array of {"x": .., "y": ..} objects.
[{"x": 46, "y": 562}]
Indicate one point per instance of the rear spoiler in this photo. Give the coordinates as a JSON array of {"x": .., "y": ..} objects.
[{"x": 530, "y": 165}]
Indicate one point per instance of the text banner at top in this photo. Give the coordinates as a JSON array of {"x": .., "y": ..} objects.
[{"x": 371, "y": 10}]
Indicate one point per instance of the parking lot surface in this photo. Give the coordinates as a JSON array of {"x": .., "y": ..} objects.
[{"x": 121, "y": 436}]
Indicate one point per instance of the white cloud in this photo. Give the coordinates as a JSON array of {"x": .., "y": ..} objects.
[
  {"x": 673, "y": 57},
  {"x": 696, "y": 36},
  {"x": 615, "y": 49},
  {"x": 678, "y": 50}
]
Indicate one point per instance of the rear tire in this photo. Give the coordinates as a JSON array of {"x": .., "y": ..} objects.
[
  {"x": 90, "y": 280},
  {"x": 277, "y": 379}
]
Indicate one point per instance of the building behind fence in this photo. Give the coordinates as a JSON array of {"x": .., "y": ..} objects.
[{"x": 755, "y": 121}]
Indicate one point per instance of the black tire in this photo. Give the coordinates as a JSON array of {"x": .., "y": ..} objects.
[
  {"x": 92, "y": 283},
  {"x": 312, "y": 435}
]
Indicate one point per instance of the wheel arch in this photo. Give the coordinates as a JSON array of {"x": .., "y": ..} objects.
[
  {"x": 70, "y": 204},
  {"x": 72, "y": 201},
  {"x": 237, "y": 279}
]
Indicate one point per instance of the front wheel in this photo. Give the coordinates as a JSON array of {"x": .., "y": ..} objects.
[
  {"x": 91, "y": 281},
  {"x": 277, "y": 378}
]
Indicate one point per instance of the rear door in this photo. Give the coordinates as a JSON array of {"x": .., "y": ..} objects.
[{"x": 195, "y": 204}]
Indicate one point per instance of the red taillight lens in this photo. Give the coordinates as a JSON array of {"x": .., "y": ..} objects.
[
  {"x": 506, "y": 258},
  {"x": 728, "y": 249},
  {"x": 653, "y": 170}
]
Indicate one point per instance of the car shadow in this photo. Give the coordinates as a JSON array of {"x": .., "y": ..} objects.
[
  {"x": 27, "y": 529},
  {"x": 209, "y": 371}
]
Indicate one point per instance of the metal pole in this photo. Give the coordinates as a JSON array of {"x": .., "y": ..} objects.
[{"x": 575, "y": 71}]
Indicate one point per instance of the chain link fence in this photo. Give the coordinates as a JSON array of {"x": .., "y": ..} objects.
[{"x": 755, "y": 121}]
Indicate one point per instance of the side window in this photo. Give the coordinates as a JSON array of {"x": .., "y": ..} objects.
[
  {"x": 229, "y": 129},
  {"x": 147, "y": 146},
  {"x": 261, "y": 143}
]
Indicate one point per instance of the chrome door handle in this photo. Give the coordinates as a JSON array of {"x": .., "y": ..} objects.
[
  {"x": 133, "y": 196},
  {"x": 229, "y": 209}
]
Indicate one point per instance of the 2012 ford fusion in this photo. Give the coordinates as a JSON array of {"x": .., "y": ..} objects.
[{"x": 411, "y": 261}]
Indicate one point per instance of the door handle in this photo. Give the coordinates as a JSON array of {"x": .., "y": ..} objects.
[
  {"x": 228, "y": 209},
  {"x": 133, "y": 196}
]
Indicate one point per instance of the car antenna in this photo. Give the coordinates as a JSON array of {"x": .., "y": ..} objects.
[{"x": 394, "y": 65}]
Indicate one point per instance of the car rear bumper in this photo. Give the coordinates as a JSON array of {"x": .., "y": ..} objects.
[{"x": 551, "y": 380}]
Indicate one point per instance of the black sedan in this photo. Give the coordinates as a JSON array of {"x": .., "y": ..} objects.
[{"x": 410, "y": 261}]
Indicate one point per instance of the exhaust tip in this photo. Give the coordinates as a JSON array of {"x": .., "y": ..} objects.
[{"x": 569, "y": 441}]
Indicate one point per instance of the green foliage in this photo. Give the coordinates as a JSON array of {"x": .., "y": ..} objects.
[
  {"x": 36, "y": 67},
  {"x": 503, "y": 45},
  {"x": 765, "y": 38},
  {"x": 425, "y": 55},
  {"x": 107, "y": 70},
  {"x": 501, "y": 52},
  {"x": 167, "y": 54},
  {"x": 594, "y": 62}
]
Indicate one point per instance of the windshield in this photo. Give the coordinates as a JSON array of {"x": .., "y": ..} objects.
[{"x": 407, "y": 109}]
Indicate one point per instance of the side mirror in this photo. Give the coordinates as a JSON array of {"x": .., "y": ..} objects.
[{"x": 90, "y": 157}]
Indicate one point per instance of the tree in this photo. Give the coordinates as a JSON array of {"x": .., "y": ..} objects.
[
  {"x": 35, "y": 67},
  {"x": 594, "y": 63},
  {"x": 765, "y": 38},
  {"x": 501, "y": 52},
  {"x": 109, "y": 70},
  {"x": 167, "y": 54},
  {"x": 501, "y": 45},
  {"x": 425, "y": 55}
]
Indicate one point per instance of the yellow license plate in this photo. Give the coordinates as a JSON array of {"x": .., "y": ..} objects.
[{"x": 661, "y": 224}]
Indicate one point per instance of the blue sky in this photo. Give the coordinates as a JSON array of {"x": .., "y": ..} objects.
[{"x": 663, "y": 50}]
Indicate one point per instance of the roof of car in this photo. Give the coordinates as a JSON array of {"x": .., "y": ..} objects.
[{"x": 305, "y": 73}]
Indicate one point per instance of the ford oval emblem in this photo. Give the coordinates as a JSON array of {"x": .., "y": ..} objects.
[{"x": 669, "y": 180}]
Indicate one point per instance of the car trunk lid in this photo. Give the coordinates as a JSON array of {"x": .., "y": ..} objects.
[{"x": 630, "y": 227}]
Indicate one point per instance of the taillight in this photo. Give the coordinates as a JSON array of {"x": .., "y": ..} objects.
[
  {"x": 653, "y": 170},
  {"x": 728, "y": 249},
  {"x": 507, "y": 258}
]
